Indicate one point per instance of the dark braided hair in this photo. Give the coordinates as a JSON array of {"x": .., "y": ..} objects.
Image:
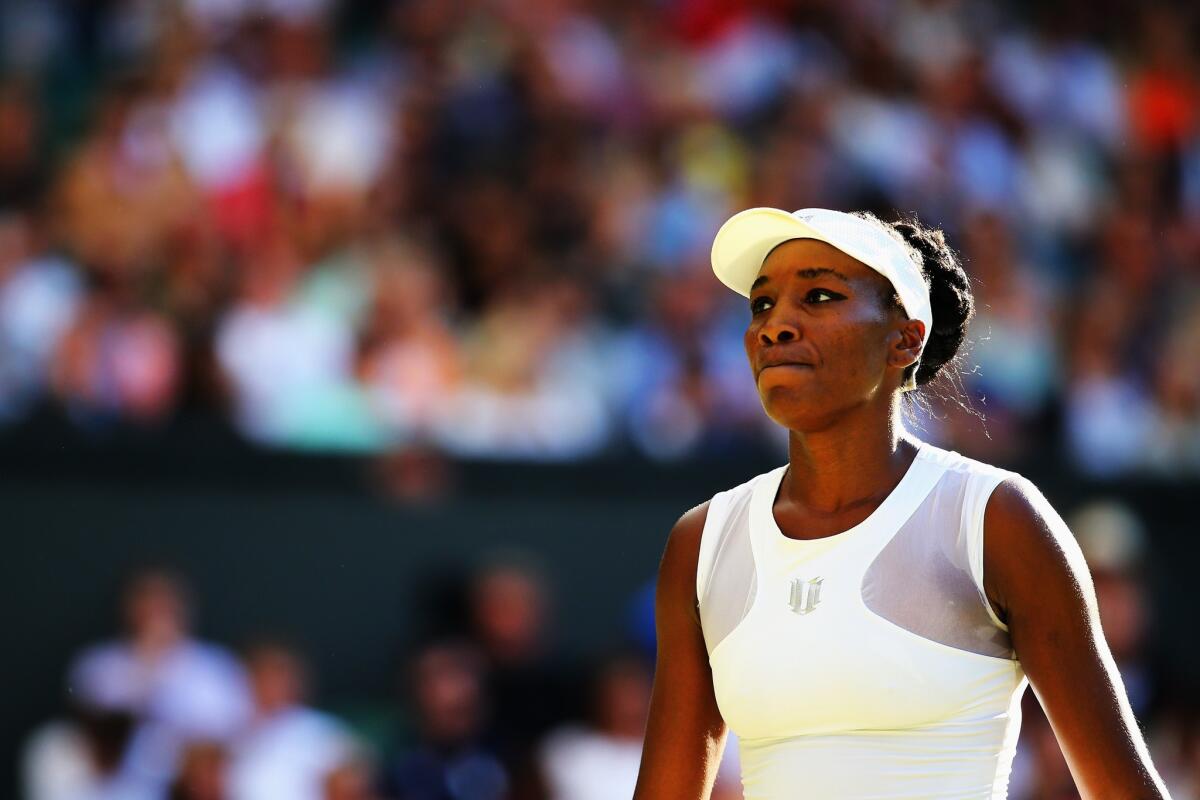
[{"x": 950, "y": 295}]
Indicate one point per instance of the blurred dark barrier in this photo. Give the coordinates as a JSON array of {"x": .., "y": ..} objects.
[{"x": 310, "y": 549}]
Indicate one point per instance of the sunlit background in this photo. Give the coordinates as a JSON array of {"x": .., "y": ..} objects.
[{"x": 355, "y": 359}]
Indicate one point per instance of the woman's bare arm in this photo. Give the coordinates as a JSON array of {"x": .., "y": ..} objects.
[
  {"x": 685, "y": 733},
  {"x": 1035, "y": 572}
]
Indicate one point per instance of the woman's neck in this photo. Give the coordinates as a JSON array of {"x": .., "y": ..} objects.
[{"x": 857, "y": 461}]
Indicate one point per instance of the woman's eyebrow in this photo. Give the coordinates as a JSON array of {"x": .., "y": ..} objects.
[
  {"x": 807, "y": 272},
  {"x": 816, "y": 272}
]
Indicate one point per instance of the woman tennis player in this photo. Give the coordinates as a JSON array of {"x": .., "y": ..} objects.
[{"x": 867, "y": 616}]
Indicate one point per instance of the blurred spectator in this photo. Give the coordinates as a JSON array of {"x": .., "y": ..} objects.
[
  {"x": 287, "y": 749},
  {"x": 532, "y": 379},
  {"x": 1164, "y": 95},
  {"x": 409, "y": 357},
  {"x": 1175, "y": 441},
  {"x": 202, "y": 773},
  {"x": 54, "y": 762},
  {"x": 530, "y": 685},
  {"x": 600, "y": 758},
  {"x": 685, "y": 365},
  {"x": 116, "y": 362},
  {"x": 288, "y": 361},
  {"x": 22, "y": 142},
  {"x": 177, "y": 688},
  {"x": 1113, "y": 541},
  {"x": 84, "y": 757},
  {"x": 40, "y": 296},
  {"x": 350, "y": 780},
  {"x": 1014, "y": 358},
  {"x": 451, "y": 759},
  {"x": 1109, "y": 413}
]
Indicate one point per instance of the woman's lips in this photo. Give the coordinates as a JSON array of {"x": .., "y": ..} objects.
[
  {"x": 767, "y": 363},
  {"x": 788, "y": 365}
]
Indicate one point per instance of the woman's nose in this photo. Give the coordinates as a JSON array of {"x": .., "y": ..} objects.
[{"x": 773, "y": 332}]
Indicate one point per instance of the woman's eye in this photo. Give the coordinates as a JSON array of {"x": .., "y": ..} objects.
[
  {"x": 759, "y": 304},
  {"x": 821, "y": 296}
]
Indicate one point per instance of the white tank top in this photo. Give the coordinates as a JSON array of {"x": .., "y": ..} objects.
[{"x": 867, "y": 664}]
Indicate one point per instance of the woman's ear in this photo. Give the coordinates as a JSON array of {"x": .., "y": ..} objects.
[{"x": 904, "y": 344}]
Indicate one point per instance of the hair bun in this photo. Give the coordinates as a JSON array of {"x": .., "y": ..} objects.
[{"x": 949, "y": 295}]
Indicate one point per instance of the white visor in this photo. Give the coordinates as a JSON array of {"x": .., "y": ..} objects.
[{"x": 743, "y": 242}]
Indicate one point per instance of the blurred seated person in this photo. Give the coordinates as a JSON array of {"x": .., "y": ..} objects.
[
  {"x": 203, "y": 773},
  {"x": 452, "y": 758},
  {"x": 288, "y": 749},
  {"x": 511, "y": 612},
  {"x": 84, "y": 757},
  {"x": 1114, "y": 542},
  {"x": 353, "y": 779},
  {"x": 531, "y": 687},
  {"x": 176, "y": 687},
  {"x": 600, "y": 759}
]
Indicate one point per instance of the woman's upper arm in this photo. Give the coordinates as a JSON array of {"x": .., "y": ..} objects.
[
  {"x": 1035, "y": 570},
  {"x": 685, "y": 733}
]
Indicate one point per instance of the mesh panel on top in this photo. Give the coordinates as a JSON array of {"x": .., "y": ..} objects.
[
  {"x": 921, "y": 580},
  {"x": 730, "y": 582}
]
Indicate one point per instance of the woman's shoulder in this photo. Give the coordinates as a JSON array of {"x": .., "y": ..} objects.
[
  {"x": 954, "y": 460},
  {"x": 986, "y": 486},
  {"x": 690, "y": 525},
  {"x": 684, "y": 542}
]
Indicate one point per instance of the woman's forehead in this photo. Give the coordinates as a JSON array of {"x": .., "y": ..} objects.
[{"x": 804, "y": 254}]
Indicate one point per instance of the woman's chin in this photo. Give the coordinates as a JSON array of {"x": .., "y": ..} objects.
[
  {"x": 812, "y": 406},
  {"x": 797, "y": 408}
]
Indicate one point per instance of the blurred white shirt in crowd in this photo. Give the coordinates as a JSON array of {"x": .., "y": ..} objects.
[
  {"x": 288, "y": 755},
  {"x": 56, "y": 764},
  {"x": 194, "y": 690},
  {"x": 198, "y": 688},
  {"x": 277, "y": 359},
  {"x": 582, "y": 764},
  {"x": 38, "y": 302}
]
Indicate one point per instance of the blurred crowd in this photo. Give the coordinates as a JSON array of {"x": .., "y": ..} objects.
[
  {"x": 482, "y": 227},
  {"x": 487, "y": 706},
  {"x": 486, "y": 710}
]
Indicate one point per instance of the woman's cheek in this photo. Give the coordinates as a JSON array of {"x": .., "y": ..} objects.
[{"x": 748, "y": 341}]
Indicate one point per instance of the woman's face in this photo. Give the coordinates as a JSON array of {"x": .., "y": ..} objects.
[{"x": 824, "y": 336}]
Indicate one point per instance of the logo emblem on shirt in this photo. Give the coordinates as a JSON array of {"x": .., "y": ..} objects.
[{"x": 805, "y": 594}]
